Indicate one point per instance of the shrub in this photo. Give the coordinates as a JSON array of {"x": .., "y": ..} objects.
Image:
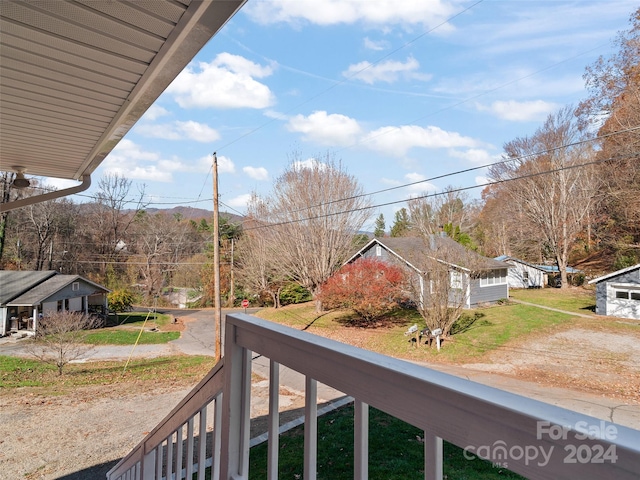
[
  {"x": 120, "y": 300},
  {"x": 369, "y": 287},
  {"x": 293, "y": 293}
]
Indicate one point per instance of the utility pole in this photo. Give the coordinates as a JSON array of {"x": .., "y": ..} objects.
[{"x": 216, "y": 261}]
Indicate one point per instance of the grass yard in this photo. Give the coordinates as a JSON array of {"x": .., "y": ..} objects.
[
  {"x": 576, "y": 299},
  {"x": 396, "y": 452},
  {"x": 479, "y": 331},
  {"x": 115, "y": 336},
  {"x": 18, "y": 372}
]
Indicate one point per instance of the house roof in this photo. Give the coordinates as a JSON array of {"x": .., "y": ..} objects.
[
  {"x": 32, "y": 288},
  {"x": 76, "y": 76},
  {"x": 554, "y": 269},
  {"x": 615, "y": 274},
  {"x": 412, "y": 251},
  {"x": 15, "y": 283},
  {"x": 507, "y": 258}
]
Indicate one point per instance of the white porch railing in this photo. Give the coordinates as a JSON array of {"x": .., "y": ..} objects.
[{"x": 537, "y": 440}]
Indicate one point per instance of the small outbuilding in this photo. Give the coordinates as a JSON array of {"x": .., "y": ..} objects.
[
  {"x": 27, "y": 295},
  {"x": 523, "y": 274},
  {"x": 618, "y": 293}
]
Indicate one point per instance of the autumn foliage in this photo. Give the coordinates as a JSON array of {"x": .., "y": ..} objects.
[{"x": 369, "y": 287}]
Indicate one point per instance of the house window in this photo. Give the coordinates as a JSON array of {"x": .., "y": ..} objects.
[
  {"x": 525, "y": 276},
  {"x": 494, "y": 277},
  {"x": 456, "y": 280},
  {"x": 378, "y": 251},
  {"x": 622, "y": 294},
  {"x": 75, "y": 286}
]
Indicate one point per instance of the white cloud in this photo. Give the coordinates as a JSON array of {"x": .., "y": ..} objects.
[
  {"x": 418, "y": 181},
  {"x": 240, "y": 201},
  {"x": 225, "y": 165},
  {"x": 188, "y": 130},
  {"x": 319, "y": 127},
  {"x": 131, "y": 161},
  {"x": 256, "y": 173},
  {"x": 481, "y": 180},
  {"x": 380, "y": 13},
  {"x": 375, "y": 45},
  {"x": 513, "y": 110},
  {"x": 389, "y": 71},
  {"x": 397, "y": 141},
  {"x": 475, "y": 155},
  {"x": 154, "y": 112},
  {"x": 227, "y": 82}
]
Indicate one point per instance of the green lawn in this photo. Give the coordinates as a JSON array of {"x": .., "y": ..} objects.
[
  {"x": 19, "y": 372},
  {"x": 396, "y": 452},
  {"x": 578, "y": 300},
  {"x": 115, "y": 336},
  {"x": 480, "y": 331}
]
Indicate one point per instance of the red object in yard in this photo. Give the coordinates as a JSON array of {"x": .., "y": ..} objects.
[{"x": 245, "y": 303}]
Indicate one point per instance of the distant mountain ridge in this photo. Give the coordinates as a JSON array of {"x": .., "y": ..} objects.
[{"x": 191, "y": 213}]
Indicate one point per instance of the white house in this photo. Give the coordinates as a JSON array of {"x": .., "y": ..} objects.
[
  {"x": 523, "y": 274},
  {"x": 618, "y": 293}
]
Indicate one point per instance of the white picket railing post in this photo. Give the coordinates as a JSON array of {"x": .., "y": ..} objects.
[
  {"x": 432, "y": 457},
  {"x": 274, "y": 421},
  {"x": 360, "y": 440},
  {"x": 310, "y": 429}
]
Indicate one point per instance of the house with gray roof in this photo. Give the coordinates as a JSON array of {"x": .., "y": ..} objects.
[
  {"x": 480, "y": 279},
  {"x": 523, "y": 274},
  {"x": 618, "y": 293},
  {"x": 27, "y": 295}
]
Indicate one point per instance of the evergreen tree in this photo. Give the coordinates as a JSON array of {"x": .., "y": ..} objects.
[{"x": 380, "y": 227}]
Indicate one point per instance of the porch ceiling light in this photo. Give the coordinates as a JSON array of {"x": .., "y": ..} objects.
[{"x": 19, "y": 181}]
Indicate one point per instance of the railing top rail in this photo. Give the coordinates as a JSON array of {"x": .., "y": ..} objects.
[
  {"x": 203, "y": 393},
  {"x": 463, "y": 412}
]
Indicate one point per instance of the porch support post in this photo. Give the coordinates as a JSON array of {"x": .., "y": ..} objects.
[{"x": 234, "y": 461}]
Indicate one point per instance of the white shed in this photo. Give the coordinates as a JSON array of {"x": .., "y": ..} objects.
[
  {"x": 618, "y": 293},
  {"x": 523, "y": 274}
]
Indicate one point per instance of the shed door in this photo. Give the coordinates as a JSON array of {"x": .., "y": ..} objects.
[{"x": 623, "y": 300}]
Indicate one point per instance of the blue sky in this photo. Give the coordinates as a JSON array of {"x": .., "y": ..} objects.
[{"x": 398, "y": 91}]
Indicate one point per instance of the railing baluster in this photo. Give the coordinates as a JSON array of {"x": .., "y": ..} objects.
[
  {"x": 274, "y": 420},
  {"x": 432, "y": 457},
  {"x": 169, "y": 474},
  {"x": 361, "y": 440},
  {"x": 216, "y": 441},
  {"x": 310, "y": 429},
  {"x": 202, "y": 446},
  {"x": 179, "y": 452},
  {"x": 189, "y": 458},
  {"x": 159, "y": 452}
]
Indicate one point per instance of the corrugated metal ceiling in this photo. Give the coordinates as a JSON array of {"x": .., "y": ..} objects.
[{"x": 75, "y": 75}]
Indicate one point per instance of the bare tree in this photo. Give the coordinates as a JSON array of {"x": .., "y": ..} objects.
[
  {"x": 60, "y": 338},
  {"x": 547, "y": 178},
  {"x": 442, "y": 288},
  {"x": 259, "y": 267},
  {"x": 314, "y": 212}
]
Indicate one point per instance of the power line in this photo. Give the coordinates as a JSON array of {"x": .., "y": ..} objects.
[{"x": 446, "y": 192}]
